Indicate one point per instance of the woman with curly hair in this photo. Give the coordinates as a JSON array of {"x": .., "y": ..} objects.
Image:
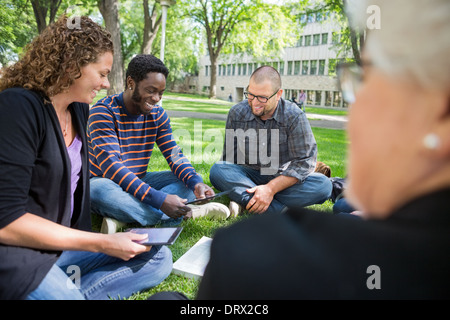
[{"x": 45, "y": 237}]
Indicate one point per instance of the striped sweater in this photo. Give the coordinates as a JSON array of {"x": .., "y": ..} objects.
[{"x": 121, "y": 145}]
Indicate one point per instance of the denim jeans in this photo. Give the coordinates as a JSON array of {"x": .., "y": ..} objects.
[
  {"x": 80, "y": 275},
  {"x": 228, "y": 176},
  {"x": 108, "y": 199}
]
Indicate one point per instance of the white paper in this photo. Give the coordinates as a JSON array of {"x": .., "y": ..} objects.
[{"x": 192, "y": 264}]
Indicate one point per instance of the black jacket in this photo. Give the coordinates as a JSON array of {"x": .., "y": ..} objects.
[
  {"x": 35, "y": 178},
  {"x": 311, "y": 255}
]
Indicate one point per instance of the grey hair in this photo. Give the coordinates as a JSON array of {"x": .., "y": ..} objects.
[{"x": 413, "y": 39}]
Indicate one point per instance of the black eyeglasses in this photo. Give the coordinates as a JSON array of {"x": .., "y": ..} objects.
[{"x": 261, "y": 99}]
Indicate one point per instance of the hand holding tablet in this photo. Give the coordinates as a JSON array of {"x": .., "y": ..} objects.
[
  {"x": 158, "y": 236},
  {"x": 220, "y": 194}
]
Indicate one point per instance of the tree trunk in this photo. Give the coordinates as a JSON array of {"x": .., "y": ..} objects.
[
  {"x": 110, "y": 12},
  {"x": 40, "y": 9},
  {"x": 151, "y": 27},
  {"x": 213, "y": 80}
]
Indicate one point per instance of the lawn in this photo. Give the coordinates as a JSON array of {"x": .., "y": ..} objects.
[{"x": 202, "y": 142}]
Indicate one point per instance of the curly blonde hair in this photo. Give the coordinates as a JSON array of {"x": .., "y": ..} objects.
[{"x": 53, "y": 60}]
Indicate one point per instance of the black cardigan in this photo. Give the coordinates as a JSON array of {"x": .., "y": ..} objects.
[
  {"x": 315, "y": 255},
  {"x": 35, "y": 177}
]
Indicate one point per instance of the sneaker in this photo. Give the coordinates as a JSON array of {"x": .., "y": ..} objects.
[
  {"x": 110, "y": 225},
  {"x": 235, "y": 209},
  {"x": 212, "y": 209}
]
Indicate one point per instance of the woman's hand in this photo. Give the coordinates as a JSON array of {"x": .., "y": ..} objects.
[{"x": 124, "y": 245}]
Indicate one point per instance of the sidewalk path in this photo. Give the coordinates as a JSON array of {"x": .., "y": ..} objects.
[{"x": 316, "y": 120}]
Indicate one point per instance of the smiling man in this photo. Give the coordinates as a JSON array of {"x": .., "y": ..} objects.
[
  {"x": 270, "y": 152},
  {"x": 122, "y": 131}
]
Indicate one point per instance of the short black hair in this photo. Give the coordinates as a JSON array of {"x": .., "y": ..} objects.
[{"x": 142, "y": 64}]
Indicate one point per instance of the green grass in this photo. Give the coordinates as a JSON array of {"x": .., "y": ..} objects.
[
  {"x": 331, "y": 145},
  {"x": 199, "y": 103},
  {"x": 196, "y": 137}
]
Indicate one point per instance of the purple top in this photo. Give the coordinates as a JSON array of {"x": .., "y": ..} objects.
[{"x": 74, "y": 151}]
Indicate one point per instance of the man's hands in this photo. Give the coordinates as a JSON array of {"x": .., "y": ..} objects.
[
  {"x": 174, "y": 206},
  {"x": 202, "y": 190},
  {"x": 263, "y": 196}
]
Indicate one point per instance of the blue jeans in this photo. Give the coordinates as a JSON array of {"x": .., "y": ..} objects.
[
  {"x": 228, "y": 176},
  {"x": 108, "y": 199},
  {"x": 98, "y": 276},
  {"x": 342, "y": 206}
]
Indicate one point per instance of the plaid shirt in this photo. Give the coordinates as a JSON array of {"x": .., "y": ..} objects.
[{"x": 281, "y": 145}]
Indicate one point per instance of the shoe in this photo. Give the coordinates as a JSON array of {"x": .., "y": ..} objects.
[
  {"x": 212, "y": 209},
  {"x": 235, "y": 209},
  {"x": 110, "y": 225}
]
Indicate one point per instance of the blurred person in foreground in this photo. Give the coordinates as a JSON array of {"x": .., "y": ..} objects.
[
  {"x": 45, "y": 221},
  {"x": 400, "y": 113}
]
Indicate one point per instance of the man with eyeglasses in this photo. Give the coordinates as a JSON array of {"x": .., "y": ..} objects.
[{"x": 269, "y": 152}]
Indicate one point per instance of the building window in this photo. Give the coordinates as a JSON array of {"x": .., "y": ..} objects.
[
  {"x": 332, "y": 67},
  {"x": 244, "y": 69},
  {"x": 328, "y": 98},
  {"x": 287, "y": 94},
  {"x": 310, "y": 97},
  {"x": 318, "y": 98},
  {"x": 321, "y": 67},
  {"x": 320, "y": 17},
  {"x": 222, "y": 88},
  {"x": 274, "y": 65},
  {"x": 300, "y": 41},
  {"x": 206, "y": 71},
  {"x": 305, "y": 67},
  {"x": 297, "y": 67},
  {"x": 311, "y": 17},
  {"x": 250, "y": 68},
  {"x": 335, "y": 38},
  {"x": 281, "y": 71},
  {"x": 234, "y": 69},
  {"x": 316, "y": 39},
  {"x": 303, "y": 18},
  {"x": 307, "y": 41},
  {"x": 289, "y": 71},
  {"x": 229, "y": 70},
  {"x": 337, "y": 99},
  {"x": 313, "y": 69},
  {"x": 324, "y": 38}
]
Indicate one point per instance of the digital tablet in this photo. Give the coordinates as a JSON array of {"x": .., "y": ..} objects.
[
  {"x": 220, "y": 194},
  {"x": 158, "y": 236}
]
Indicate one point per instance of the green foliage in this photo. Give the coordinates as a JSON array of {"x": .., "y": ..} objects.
[{"x": 17, "y": 28}]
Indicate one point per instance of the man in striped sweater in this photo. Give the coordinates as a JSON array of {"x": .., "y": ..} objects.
[{"x": 122, "y": 131}]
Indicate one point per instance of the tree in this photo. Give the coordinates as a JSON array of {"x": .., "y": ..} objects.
[
  {"x": 250, "y": 26},
  {"x": 152, "y": 23},
  {"x": 41, "y": 8},
  {"x": 351, "y": 40},
  {"x": 17, "y": 27},
  {"x": 110, "y": 12}
]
